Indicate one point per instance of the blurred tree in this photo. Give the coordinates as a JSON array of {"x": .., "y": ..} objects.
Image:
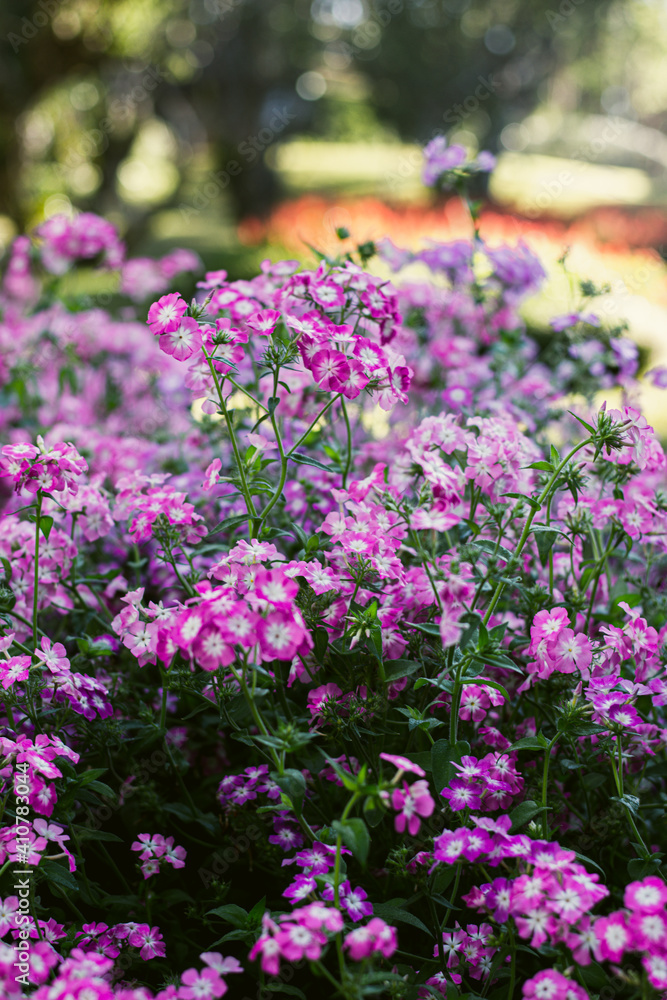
[{"x": 127, "y": 105}]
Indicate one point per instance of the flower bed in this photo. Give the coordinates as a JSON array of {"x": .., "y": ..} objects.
[{"x": 353, "y": 684}]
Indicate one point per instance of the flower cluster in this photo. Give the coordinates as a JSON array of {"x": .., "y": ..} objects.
[
  {"x": 154, "y": 849},
  {"x": 315, "y": 574}
]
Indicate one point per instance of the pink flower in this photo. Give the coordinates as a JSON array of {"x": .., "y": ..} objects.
[
  {"x": 317, "y": 916},
  {"x": 548, "y": 625},
  {"x": 201, "y": 985},
  {"x": 268, "y": 947},
  {"x": 150, "y": 845},
  {"x": 330, "y": 369},
  {"x": 648, "y": 930},
  {"x": 614, "y": 937},
  {"x": 403, "y": 764},
  {"x": 182, "y": 342},
  {"x": 352, "y": 384},
  {"x": 656, "y": 970},
  {"x": 8, "y": 908},
  {"x": 149, "y": 940},
  {"x": 223, "y": 966},
  {"x": 547, "y": 985},
  {"x": 328, "y": 294},
  {"x": 211, "y": 474},
  {"x": 649, "y": 895},
  {"x": 571, "y": 652},
  {"x": 297, "y": 941},
  {"x": 375, "y": 936},
  {"x": 462, "y": 795},
  {"x": 321, "y": 696},
  {"x": 279, "y": 636},
  {"x": 264, "y": 322},
  {"x": 450, "y": 630},
  {"x": 450, "y": 845},
  {"x": 412, "y": 802},
  {"x": 276, "y": 587},
  {"x": 53, "y": 656},
  {"x": 165, "y": 314},
  {"x": 16, "y": 668}
]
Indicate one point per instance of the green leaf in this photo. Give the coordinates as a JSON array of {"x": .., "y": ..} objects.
[
  {"x": 591, "y": 430},
  {"x": 482, "y": 681},
  {"x": 523, "y": 813},
  {"x": 429, "y": 628},
  {"x": 87, "y": 833},
  {"x": 101, "y": 789},
  {"x": 639, "y": 868},
  {"x": 529, "y": 743},
  {"x": 442, "y": 683},
  {"x": 521, "y": 496},
  {"x": 631, "y": 802},
  {"x": 231, "y": 914},
  {"x": 493, "y": 549},
  {"x": 349, "y": 780},
  {"x": 91, "y": 775},
  {"x": 424, "y": 724},
  {"x": 595, "y": 977},
  {"x": 300, "y": 534},
  {"x": 354, "y": 834},
  {"x": 542, "y": 466},
  {"x": 396, "y": 669},
  {"x": 57, "y": 875},
  {"x": 593, "y": 780},
  {"x": 290, "y": 991},
  {"x": 293, "y": 784},
  {"x": 45, "y": 525},
  {"x": 373, "y": 811},
  {"x": 257, "y": 912},
  {"x": 545, "y": 540},
  {"x": 390, "y": 913},
  {"x": 321, "y": 642},
  {"x": 300, "y": 459},
  {"x": 229, "y": 522},
  {"x": 499, "y": 660}
]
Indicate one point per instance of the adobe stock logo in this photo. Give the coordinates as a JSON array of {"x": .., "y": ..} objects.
[{"x": 31, "y": 25}]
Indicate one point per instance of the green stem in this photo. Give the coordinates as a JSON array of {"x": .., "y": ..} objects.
[
  {"x": 187, "y": 587},
  {"x": 38, "y": 516},
  {"x": 165, "y": 691},
  {"x": 456, "y": 700},
  {"x": 312, "y": 424},
  {"x": 283, "y": 458},
  {"x": 334, "y": 982},
  {"x": 339, "y": 845},
  {"x": 529, "y": 520},
  {"x": 250, "y": 507},
  {"x": 618, "y": 781},
  {"x": 246, "y": 393},
  {"x": 348, "y": 460},
  {"x": 437, "y": 930},
  {"x": 545, "y": 776},
  {"x": 179, "y": 778},
  {"x": 510, "y": 989}
]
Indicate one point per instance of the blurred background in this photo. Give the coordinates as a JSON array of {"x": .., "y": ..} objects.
[{"x": 251, "y": 128}]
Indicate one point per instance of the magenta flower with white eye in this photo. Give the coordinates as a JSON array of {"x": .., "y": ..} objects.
[
  {"x": 165, "y": 315},
  {"x": 330, "y": 369}
]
